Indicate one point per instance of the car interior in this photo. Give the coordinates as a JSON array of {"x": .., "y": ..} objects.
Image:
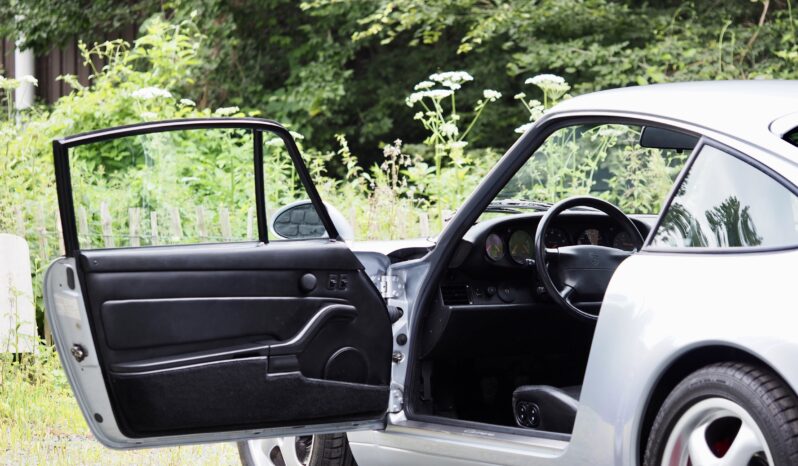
[
  {"x": 495, "y": 347},
  {"x": 494, "y": 335}
]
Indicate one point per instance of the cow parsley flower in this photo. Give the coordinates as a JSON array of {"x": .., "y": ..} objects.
[
  {"x": 451, "y": 79},
  {"x": 449, "y": 129},
  {"x": 522, "y": 129},
  {"x": 457, "y": 77},
  {"x": 28, "y": 79},
  {"x": 424, "y": 85},
  {"x": 188, "y": 102},
  {"x": 553, "y": 86},
  {"x": 435, "y": 94},
  {"x": 147, "y": 93},
  {"x": 491, "y": 95},
  {"x": 226, "y": 111},
  {"x": 543, "y": 79}
]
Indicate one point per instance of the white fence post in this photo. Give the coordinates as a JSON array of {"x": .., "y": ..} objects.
[{"x": 17, "y": 313}]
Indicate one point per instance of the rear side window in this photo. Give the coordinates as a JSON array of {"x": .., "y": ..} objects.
[
  {"x": 723, "y": 202},
  {"x": 792, "y": 137}
]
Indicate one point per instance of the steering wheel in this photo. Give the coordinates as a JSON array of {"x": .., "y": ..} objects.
[{"x": 581, "y": 271}]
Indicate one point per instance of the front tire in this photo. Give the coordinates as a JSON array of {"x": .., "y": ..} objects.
[
  {"x": 726, "y": 414},
  {"x": 306, "y": 450}
]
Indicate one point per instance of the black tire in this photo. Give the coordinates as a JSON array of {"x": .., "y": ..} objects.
[
  {"x": 760, "y": 392},
  {"x": 326, "y": 450}
]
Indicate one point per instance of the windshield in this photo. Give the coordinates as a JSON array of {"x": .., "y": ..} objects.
[{"x": 602, "y": 160}]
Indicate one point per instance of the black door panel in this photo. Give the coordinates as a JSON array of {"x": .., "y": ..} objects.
[
  {"x": 203, "y": 338},
  {"x": 237, "y": 394},
  {"x": 193, "y": 339}
]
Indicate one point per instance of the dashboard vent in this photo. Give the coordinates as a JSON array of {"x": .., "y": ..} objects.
[{"x": 455, "y": 295}]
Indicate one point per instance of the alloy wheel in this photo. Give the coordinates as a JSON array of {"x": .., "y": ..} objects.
[
  {"x": 716, "y": 432},
  {"x": 281, "y": 451}
]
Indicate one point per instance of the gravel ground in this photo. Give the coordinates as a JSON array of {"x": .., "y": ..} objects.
[{"x": 56, "y": 448}]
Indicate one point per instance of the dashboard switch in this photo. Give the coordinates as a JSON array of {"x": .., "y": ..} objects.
[{"x": 506, "y": 294}]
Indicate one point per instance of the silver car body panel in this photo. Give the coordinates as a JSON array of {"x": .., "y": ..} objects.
[{"x": 659, "y": 305}]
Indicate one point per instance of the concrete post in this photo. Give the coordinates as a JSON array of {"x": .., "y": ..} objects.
[{"x": 23, "y": 66}]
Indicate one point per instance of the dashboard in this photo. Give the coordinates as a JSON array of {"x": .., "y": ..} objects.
[
  {"x": 491, "y": 275},
  {"x": 494, "y": 262}
]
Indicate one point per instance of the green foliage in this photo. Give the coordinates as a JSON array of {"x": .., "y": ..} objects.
[
  {"x": 329, "y": 66},
  {"x": 45, "y": 23}
]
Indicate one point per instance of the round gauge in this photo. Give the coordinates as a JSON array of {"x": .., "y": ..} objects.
[
  {"x": 521, "y": 246},
  {"x": 623, "y": 241},
  {"x": 590, "y": 236},
  {"x": 494, "y": 247},
  {"x": 556, "y": 238}
]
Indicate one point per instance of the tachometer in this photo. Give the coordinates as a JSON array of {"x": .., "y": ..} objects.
[
  {"x": 494, "y": 247},
  {"x": 623, "y": 241},
  {"x": 557, "y": 238},
  {"x": 521, "y": 246},
  {"x": 591, "y": 236}
]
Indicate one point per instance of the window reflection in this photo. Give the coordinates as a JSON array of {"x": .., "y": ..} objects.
[{"x": 726, "y": 203}]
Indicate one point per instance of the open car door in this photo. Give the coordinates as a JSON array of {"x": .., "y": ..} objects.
[{"x": 177, "y": 320}]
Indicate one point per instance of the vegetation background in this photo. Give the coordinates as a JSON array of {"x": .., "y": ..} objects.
[{"x": 346, "y": 76}]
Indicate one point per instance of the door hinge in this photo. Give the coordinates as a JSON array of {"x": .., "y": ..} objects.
[
  {"x": 78, "y": 352},
  {"x": 396, "y": 402},
  {"x": 390, "y": 286}
]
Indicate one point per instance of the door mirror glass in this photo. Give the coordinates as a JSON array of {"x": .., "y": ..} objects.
[{"x": 299, "y": 220}]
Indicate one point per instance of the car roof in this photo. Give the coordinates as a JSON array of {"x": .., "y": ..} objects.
[{"x": 740, "y": 109}]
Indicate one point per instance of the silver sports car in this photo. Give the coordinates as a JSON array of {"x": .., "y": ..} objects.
[{"x": 645, "y": 320}]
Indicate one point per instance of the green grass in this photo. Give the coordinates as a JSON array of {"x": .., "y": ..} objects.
[{"x": 40, "y": 423}]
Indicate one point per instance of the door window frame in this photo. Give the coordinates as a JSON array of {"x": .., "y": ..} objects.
[
  {"x": 731, "y": 152},
  {"x": 257, "y": 126}
]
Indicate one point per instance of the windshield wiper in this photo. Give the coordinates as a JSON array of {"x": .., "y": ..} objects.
[{"x": 515, "y": 206}]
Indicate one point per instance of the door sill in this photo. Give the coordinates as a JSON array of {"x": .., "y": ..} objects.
[{"x": 482, "y": 430}]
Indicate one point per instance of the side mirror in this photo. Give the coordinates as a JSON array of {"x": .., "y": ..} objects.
[{"x": 299, "y": 220}]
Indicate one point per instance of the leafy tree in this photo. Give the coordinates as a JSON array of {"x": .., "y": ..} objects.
[{"x": 48, "y": 23}]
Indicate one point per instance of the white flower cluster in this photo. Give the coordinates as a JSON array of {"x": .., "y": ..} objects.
[
  {"x": 449, "y": 130},
  {"x": 491, "y": 96},
  {"x": 543, "y": 79},
  {"x": 9, "y": 84},
  {"x": 522, "y": 129},
  {"x": 147, "y": 93},
  {"x": 434, "y": 94},
  {"x": 226, "y": 111},
  {"x": 451, "y": 79},
  {"x": 552, "y": 85}
]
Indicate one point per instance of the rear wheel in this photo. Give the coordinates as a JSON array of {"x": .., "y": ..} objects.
[
  {"x": 726, "y": 414},
  {"x": 306, "y": 450}
]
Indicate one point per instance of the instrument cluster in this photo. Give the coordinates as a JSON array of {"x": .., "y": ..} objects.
[{"x": 517, "y": 244}]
